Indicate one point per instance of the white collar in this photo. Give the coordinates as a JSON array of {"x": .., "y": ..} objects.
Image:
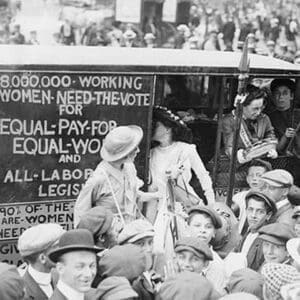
[
  {"x": 41, "y": 278},
  {"x": 69, "y": 292},
  {"x": 282, "y": 203}
]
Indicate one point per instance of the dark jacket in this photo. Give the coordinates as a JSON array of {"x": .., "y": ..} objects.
[
  {"x": 255, "y": 256},
  {"x": 33, "y": 290},
  {"x": 57, "y": 295},
  {"x": 284, "y": 215}
]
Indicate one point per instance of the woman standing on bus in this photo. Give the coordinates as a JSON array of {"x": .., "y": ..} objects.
[{"x": 175, "y": 157}]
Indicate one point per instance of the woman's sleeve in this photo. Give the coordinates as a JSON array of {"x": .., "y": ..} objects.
[{"x": 202, "y": 174}]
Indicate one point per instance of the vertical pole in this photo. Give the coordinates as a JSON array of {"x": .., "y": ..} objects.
[
  {"x": 149, "y": 132},
  {"x": 219, "y": 131}
]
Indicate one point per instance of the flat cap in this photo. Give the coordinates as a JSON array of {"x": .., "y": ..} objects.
[
  {"x": 187, "y": 285},
  {"x": 246, "y": 280},
  {"x": 276, "y": 233},
  {"x": 266, "y": 199},
  {"x": 209, "y": 211},
  {"x": 127, "y": 261},
  {"x": 135, "y": 230},
  {"x": 194, "y": 245},
  {"x": 97, "y": 220},
  {"x": 278, "y": 178},
  {"x": 39, "y": 238}
]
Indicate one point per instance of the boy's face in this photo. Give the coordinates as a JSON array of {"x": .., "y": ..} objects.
[
  {"x": 188, "y": 261},
  {"x": 274, "y": 253},
  {"x": 283, "y": 97},
  {"x": 256, "y": 213},
  {"x": 202, "y": 227},
  {"x": 253, "y": 176}
]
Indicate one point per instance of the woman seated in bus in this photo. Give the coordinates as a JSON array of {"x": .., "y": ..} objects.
[
  {"x": 255, "y": 126},
  {"x": 174, "y": 154}
]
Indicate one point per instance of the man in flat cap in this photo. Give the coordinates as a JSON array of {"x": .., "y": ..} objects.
[
  {"x": 277, "y": 184},
  {"x": 34, "y": 244},
  {"x": 259, "y": 210},
  {"x": 75, "y": 259}
]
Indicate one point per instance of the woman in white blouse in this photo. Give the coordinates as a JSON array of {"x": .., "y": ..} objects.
[{"x": 176, "y": 157}]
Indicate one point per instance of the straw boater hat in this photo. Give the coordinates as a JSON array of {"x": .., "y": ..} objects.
[
  {"x": 74, "y": 240},
  {"x": 120, "y": 142}
]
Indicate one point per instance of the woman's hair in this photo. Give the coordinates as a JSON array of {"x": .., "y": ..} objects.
[
  {"x": 180, "y": 131},
  {"x": 254, "y": 93}
]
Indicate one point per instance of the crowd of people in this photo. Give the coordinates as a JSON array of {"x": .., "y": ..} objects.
[
  {"x": 271, "y": 27},
  {"x": 160, "y": 244}
]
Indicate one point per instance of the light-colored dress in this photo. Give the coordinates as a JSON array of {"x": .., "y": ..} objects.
[{"x": 179, "y": 153}]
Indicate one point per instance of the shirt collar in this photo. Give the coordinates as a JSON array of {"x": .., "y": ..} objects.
[
  {"x": 282, "y": 203},
  {"x": 40, "y": 277},
  {"x": 118, "y": 174},
  {"x": 69, "y": 292}
]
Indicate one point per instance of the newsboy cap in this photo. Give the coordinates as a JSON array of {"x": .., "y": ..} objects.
[
  {"x": 194, "y": 245},
  {"x": 39, "y": 238},
  {"x": 217, "y": 222},
  {"x": 278, "y": 178},
  {"x": 276, "y": 233},
  {"x": 135, "y": 230},
  {"x": 254, "y": 195}
]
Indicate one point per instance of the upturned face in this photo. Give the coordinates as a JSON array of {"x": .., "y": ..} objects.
[
  {"x": 254, "y": 109},
  {"x": 254, "y": 174},
  {"x": 188, "y": 261},
  {"x": 274, "y": 253},
  {"x": 256, "y": 213},
  {"x": 282, "y": 98},
  {"x": 160, "y": 131},
  {"x": 202, "y": 227},
  {"x": 77, "y": 269}
]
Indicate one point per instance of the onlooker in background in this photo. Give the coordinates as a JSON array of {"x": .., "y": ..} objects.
[
  {"x": 259, "y": 211},
  {"x": 34, "y": 245},
  {"x": 33, "y": 40},
  {"x": 75, "y": 259},
  {"x": 276, "y": 276},
  {"x": 16, "y": 37},
  {"x": 90, "y": 35},
  {"x": 11, "y": 284},
  {"x": 271, "y": 48},
  {"x": 212, "y": 43},
  {"x": 257, "y": 168},
  {"x": 129, "y": 37},
  {"x": 67, "y": 33},
  {"x": 277, "y": 184},
  {"x": 149, "y": 39},
  {"x": 228, "y": 30}
]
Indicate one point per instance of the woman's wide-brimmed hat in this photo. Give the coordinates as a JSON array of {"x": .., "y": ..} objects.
[
  {"x": 120, "y": 142},
  {"x": 74, "y": 240},
  {"x": 162, "y": 113}
]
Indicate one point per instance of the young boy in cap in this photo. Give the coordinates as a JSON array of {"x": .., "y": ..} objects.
[
  {"x": 75, "y": 259},
  {"x": 34, "y": 244},
  {"x": 274, "y": 238},
  {"x": 192, "y": 255},
  {"x": 259, "y": 209},
  {"x": 203, "y": 222},
  {"x": 277, "y": 184},
  {"x": 256, "y": 169}
]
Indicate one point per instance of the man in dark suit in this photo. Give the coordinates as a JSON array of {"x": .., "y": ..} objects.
[
  {"x": 34, "y": 245},
  {"x": 76, "y": 264}
]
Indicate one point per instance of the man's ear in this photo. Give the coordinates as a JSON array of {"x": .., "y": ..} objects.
[
  {"x": 60, "y": 267},
  {"x": 43, "y": 258},
  {"x": 206, "y": 263}
]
